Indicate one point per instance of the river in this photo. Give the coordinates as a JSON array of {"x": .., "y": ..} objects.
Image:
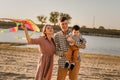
[{"x": 95, "y": 44}]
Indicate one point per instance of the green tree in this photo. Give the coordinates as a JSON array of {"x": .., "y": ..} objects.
[
  {"x": 66, "y": 15},
  {"x": 54, "y": 17},
  {"x": 42, "y": 19},
  {"x": 101, "y": 27},
  {"x": 83, "y": 27}
]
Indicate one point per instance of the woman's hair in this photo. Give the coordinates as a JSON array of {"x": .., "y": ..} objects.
[
  {"x": 44, "y": 29},
  {"x": 44, "y": 34}
]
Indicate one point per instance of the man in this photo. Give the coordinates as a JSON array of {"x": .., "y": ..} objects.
[{"x": 62, "y": 49}]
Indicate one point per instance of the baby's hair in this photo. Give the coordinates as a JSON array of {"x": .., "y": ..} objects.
[{"x": 76, "y": 27}]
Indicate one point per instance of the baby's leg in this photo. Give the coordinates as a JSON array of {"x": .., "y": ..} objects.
[{"x": 68, "y": 57}]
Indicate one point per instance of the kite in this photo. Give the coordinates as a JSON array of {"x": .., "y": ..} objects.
[
  {"x": 31, "y": 25},
  {"x": 28, "y": 23},
  {"x": 19, "y": 22},
  {"x": 13, "y": 29}
]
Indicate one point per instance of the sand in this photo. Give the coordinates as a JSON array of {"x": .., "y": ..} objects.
[{"x": 20, "y": 64}]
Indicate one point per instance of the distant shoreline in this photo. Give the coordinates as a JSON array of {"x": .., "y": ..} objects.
[{"x": 103, "y": 35}]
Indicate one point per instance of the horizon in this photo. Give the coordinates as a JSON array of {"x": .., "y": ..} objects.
[{"x": 93, "y": 13}]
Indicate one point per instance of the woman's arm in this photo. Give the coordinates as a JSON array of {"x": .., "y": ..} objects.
[
  {"x": 26, "y": 34},
  {"x": 35, "y": 41}
]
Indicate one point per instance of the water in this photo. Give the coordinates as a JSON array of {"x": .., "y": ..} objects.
[{"x": 100, "y": 45}]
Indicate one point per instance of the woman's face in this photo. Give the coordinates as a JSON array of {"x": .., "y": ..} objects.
[{"x": 49, "y": 30}]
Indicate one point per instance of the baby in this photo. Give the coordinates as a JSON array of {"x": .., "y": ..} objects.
[{"x": 73, "y": 49}]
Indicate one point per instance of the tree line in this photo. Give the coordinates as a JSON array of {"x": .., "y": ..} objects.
[
  {"x": 100, "y": 31},
  {"x": 42, "y": 19}
]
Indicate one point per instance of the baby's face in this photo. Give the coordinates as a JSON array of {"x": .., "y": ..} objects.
[{"x": 76, "y": 32}]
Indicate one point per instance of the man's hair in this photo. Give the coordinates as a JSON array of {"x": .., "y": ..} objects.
[
  {"x": 62, "y": 19},
  {"x": 76, "y": 27}
]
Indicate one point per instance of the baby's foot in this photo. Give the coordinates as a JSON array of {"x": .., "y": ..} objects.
[{"x": 66, "y": 64}]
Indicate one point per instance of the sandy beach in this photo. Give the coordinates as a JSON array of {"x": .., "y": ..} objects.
[{"x": 20, "y": 64}]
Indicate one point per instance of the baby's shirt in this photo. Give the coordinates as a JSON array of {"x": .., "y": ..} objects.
[{"x": 76, "y": 38}]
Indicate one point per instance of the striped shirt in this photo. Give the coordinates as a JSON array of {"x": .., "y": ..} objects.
[{"x": 62, "y": 46}]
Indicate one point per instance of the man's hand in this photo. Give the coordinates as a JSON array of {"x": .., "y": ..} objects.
[
  {"x": 65, "y": 54},
  {"x": 83, "y": 45}
]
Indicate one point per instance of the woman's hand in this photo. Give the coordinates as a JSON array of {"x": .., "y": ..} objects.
[
  {"x": 26, "y": 32},
  {"x": 23, "y": 26}
]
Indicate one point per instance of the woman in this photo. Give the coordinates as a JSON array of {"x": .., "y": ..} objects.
[{"x": 47, "y": 50}]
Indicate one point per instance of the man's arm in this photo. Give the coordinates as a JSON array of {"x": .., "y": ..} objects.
[{"x": 59, "y": 51}]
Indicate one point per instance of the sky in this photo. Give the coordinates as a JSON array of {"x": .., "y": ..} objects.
[{"x": 91, "y": 13}]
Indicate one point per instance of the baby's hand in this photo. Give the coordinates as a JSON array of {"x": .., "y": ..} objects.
[
  {"x": 72, "y": 41},
  {"x": 69, "y": 39},
  {"x": 67, "y": 36}
]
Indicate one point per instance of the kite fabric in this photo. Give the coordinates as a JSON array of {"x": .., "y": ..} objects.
[
  {"x": 13, "y": 29},
  {"x": 31, "y": 25},
  {"x": 28, "y": 23},
  {"x": 19, "y": 22}
]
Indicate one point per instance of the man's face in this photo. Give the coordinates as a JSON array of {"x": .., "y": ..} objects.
[{"x": 64, "y": 26}]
